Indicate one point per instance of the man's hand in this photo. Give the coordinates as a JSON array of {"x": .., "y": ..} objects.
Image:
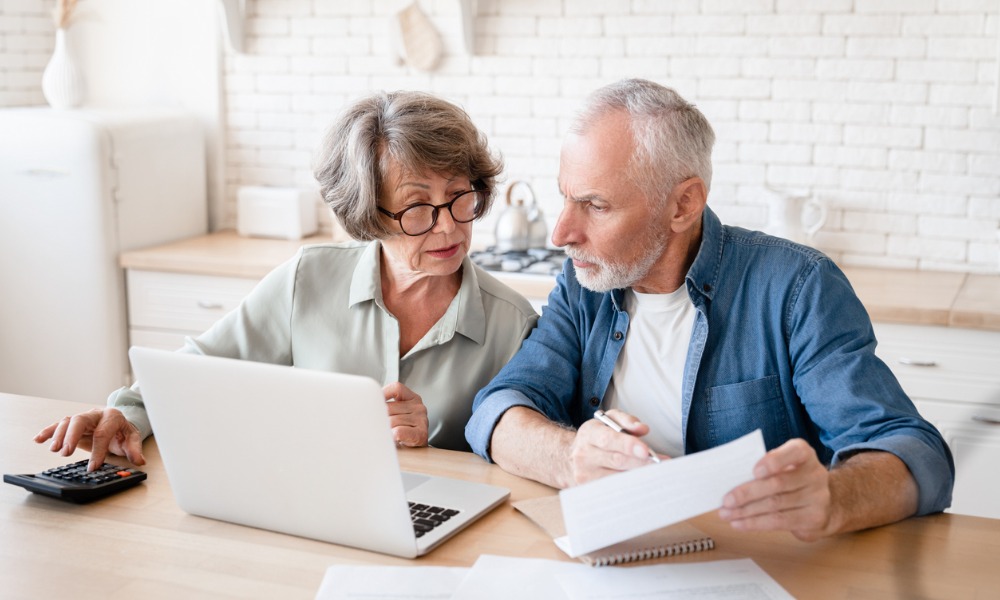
[
  {"x": 99, "y": 430},
  {"x": 598, "y": 450},
  {"x": 790, "y": 491},
  {"x": 407, "y": 415},
  {"x": 527, "y": 444},
  {"x": 793, "y": 491}
]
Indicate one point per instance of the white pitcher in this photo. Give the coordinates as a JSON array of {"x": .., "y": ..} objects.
[{"x": 796, "y": 218}]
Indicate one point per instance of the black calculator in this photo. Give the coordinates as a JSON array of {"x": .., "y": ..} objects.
[{"x": 72, "y": 482}]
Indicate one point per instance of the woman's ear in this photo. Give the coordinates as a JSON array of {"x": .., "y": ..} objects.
[{"x": 689, "y": 197}]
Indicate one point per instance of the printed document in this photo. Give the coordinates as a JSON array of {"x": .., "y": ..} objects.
[
  {"x": 349, "y": 582},
  {"x": 739, "y": 579},
  {"x": 621, "y": 506},
  {"x": 504, "y": 577}
]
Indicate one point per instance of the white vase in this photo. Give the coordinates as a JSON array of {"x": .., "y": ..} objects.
[{"x": 62, "y": 81}]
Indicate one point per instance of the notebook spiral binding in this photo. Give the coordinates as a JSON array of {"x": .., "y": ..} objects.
[{"x": 648, "y": 553}]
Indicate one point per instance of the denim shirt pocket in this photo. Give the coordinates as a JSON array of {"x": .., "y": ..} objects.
[{"x": 739, "y": 408}]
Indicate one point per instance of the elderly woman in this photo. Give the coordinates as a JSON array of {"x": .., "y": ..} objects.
[{"x": 406, "y": 174}]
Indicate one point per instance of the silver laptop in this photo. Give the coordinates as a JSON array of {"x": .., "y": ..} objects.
[{"x": 303, "y": 452}]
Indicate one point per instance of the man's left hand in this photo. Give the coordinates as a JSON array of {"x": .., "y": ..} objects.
[{"x": 790, "y": 491}]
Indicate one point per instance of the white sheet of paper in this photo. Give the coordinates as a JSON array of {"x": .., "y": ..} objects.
[
  {"x": 621, "y": 506},
  {"x": 721, "y": 579},
  {"x": 352, "y": 582},
  {"x": 504, "y": 577}
]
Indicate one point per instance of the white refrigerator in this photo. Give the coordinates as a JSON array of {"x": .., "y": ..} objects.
[{"x": 77, "y": 188}]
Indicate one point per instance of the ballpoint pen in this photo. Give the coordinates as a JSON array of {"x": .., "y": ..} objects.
[{"x": 603, "y": 417}]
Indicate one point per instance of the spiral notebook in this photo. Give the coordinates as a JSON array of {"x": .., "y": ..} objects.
[{"x": 680, "y": 538}]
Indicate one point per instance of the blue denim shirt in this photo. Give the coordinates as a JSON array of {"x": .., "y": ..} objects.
[{"x": 780, "y": 342}]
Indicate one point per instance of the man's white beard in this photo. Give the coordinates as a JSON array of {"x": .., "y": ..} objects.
[{"x": 604, "y": 275}]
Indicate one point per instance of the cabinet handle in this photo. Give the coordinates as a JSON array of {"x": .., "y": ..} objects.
[
  {"x": 209, "y": 305},
  {"x": 917, "y": 362},
  {"x": 986, "y": 420}
]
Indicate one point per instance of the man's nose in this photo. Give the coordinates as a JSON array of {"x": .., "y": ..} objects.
[{"x": 565, "y": 231}]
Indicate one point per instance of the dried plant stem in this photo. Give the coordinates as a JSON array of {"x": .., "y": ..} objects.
[{"x": 63, "y": 13}]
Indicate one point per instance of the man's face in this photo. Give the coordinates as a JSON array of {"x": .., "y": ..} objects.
[{"x": 607, "y": 226}]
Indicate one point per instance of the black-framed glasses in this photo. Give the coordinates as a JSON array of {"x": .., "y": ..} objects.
[{"x": 420, "y": 218}]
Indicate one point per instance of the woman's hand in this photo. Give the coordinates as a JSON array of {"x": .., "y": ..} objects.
[
  {"x": 407, "y": 415},
  {"x": 99, "y": 430}
]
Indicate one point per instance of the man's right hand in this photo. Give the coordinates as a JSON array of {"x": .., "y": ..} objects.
[
  {"x": 526, "y": 443},
  {"x": 100, "y": 431},
  {"x": 598, "y": 450}
]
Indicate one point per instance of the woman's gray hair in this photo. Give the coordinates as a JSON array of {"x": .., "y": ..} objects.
[
  {"x": 417, "y": 132},
  {"x": 673, "y": 139}
]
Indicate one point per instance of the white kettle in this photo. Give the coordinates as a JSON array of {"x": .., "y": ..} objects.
[{"x": 520, "y": 227}]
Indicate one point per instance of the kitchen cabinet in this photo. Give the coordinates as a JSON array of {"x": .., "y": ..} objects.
[
  {"x": 180, "y": 289},
  {"x": 953, "y": 376},
  {"x": 164, "y": 308}
]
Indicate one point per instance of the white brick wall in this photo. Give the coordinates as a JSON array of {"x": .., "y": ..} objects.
[
  {"x": 881, "y": 108},
  {"x": 26, "y": 43}
]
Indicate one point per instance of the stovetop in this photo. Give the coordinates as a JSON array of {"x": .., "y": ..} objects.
[{"x": 537, "y": 261}]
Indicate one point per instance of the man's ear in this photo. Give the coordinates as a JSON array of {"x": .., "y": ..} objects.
[{"x": 689, "y": 197}]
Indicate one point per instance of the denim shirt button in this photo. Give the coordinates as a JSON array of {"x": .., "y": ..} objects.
[
  {"x": 618, "y": 336},
  {"x": 707, "y": 287},
  {"x": 595, "y": 401}
]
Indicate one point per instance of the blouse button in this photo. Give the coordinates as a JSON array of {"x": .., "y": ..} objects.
[{"x": 618, "y": 336}]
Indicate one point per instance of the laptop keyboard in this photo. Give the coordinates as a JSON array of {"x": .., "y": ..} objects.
[{"x": 426, "y": 517}]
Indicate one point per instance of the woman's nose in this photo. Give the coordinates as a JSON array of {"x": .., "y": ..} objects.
[{"x": 445, "y": 222}]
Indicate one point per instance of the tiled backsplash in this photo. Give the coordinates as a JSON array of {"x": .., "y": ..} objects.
[{"x": 883, "y": 109}]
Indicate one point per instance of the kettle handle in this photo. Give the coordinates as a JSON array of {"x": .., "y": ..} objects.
[{"x": 510, "y": 192}]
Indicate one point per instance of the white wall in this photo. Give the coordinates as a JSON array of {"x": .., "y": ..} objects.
[
  {"x": 26, "y": 42},
  {"x": 883, "y": 108}
]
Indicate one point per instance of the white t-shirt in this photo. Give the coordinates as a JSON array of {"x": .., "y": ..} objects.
[{"x": 649, "y": 373}]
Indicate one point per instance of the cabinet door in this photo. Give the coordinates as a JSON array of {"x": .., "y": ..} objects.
[
  {"x": 181, "y": 302},
  {"x": 943, "y": 363},
  {"x": 973, "y": 434},
  {"x": 153, "y": 338},
  {"x": 953, "y": 376}
]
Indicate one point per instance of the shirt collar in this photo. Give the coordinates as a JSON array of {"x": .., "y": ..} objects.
[
  {"x": 471, "y": 311},
  {"x": 366, "y": 286},
  {"x": 704, "y": 272}
]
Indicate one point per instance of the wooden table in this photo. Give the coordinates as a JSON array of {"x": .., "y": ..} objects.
[{"x": 139, "y": 544}]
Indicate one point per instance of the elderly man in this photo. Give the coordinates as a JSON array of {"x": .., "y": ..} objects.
[{"x": 692, "y": 333}]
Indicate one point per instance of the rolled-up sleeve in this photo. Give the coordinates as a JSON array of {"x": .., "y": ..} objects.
[
  {"x": 851, "y": 395},
  {"x": 928, "y": 460},
  {"x": 486, "y": 413}
]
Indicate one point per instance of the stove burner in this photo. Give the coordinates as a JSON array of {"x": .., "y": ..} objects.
[{"x": 538, "y": 261}]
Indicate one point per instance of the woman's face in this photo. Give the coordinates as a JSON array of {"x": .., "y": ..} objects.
[{"x": 439, "y": 251}]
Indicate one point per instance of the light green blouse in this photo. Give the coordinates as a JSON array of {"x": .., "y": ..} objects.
[{"x": 323, "y": 310}]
